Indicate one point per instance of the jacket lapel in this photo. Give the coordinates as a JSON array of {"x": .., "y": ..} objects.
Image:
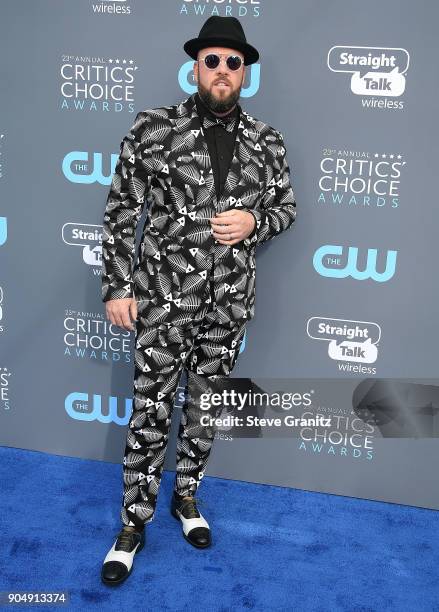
[{"x": 246, "y": 150}]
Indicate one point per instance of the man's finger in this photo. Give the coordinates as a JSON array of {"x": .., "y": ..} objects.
[
  {"x": 118, "y": 316},
  {"x": 225, "y": 232},
  {"x": 226, "y": 229},
  {"x": 126, "y": 322},
  {"x": 227, "y": 213},
  {"x": 133, "y": 310},
  {"x": 229, "y": 242},
  {"x": 110, "y": 316}
]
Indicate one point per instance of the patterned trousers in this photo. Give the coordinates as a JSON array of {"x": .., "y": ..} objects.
[{"x": 208, "y": 349}]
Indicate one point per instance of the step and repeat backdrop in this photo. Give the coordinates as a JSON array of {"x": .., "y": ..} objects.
[{"x": 346, "y": 300}]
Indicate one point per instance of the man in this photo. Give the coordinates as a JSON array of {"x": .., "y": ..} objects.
[{"x": 217, "y": 185}]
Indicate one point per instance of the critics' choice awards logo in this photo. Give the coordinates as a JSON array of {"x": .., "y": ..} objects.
[
  {"x": 89, "y": 335},
  {"x": 336, "y": 261},
  {"x": 89, "y": 239},
  {"x": 360, "y": 180},
  {"x": 348, "y": 342},
  {"x": 378, "y": 72},
  {"x": 231, "y": 8},
  {"x": 86, "y": 169},
  {"x": 94, "y": 83},
  {"x": 5, "y": 401},
  {"x": 347, "y": 435}
]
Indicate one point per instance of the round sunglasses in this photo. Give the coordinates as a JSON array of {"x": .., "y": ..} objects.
[{"x": 212, "y": 61}]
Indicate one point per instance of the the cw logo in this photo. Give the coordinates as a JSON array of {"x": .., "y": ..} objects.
[
  {"x": 326, "y": 262},
  {"x": 76, "y": 171},
  {"x": 246, "y": 92},
  {"x": 77, "y": 406}
]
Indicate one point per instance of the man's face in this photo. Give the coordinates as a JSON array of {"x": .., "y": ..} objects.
[{"x": 220, "y": 98}]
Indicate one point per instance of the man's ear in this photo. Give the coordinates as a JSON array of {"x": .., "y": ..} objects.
[{"x": 195, "y": 71}]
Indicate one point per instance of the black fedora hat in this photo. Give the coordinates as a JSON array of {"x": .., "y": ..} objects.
[{"x": 222, "y": 32}]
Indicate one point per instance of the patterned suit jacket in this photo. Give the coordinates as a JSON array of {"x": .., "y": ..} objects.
[{"x": 164, "y": 162}]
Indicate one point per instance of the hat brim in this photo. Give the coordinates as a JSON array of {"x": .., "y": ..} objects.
[{"x": 192, "y": 46}]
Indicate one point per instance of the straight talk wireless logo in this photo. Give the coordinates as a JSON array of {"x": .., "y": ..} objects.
[
  {"x": 353, "y": 344},
  {"x": 89, "y": 240},
  {"x": 377, "y": 74}
]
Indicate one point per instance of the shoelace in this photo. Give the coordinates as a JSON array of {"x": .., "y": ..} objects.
[
  {"x": 125, "y": 541},
  {"x": 192, "y": 508}
]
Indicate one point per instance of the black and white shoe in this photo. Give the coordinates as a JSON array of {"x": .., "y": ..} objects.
[
  {"x": 195, "y": 527},
  {"x": 118, "y": 563}
]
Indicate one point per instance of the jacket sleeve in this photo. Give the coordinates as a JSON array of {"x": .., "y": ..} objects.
[
  {"x": 277, "y": 210},
  {"x": 125, "y": 202}
]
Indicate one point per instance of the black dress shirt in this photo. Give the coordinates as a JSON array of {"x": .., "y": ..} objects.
[{"x": 220, "y": 134}]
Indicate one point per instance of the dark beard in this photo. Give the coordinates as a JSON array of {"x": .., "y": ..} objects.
[{"x": 218, "y": 106}]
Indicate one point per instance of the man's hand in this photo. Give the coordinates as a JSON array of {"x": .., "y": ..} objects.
[
  {"x": 119, "y": 311},
  {"x": 232, "y": 226}
]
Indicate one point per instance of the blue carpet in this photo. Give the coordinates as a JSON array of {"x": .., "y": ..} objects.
[{"x": 274, "y": 548}]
